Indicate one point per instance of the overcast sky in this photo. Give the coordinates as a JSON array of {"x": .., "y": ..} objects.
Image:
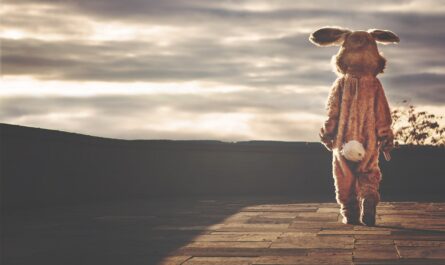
[{"x": 201, "y": 69}]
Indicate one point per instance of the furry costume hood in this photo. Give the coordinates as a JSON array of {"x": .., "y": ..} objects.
[{"x": 358, "y": 54}]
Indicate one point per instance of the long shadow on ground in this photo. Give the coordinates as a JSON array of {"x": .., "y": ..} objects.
[
  {"x": 130, "y": 232},
  {"x": 269, "y": 228}
]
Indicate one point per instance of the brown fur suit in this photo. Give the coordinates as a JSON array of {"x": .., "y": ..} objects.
[{"x": 357, "y": 110}]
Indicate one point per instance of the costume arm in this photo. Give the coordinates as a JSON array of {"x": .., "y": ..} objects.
[
  {"x": 329, "y": 128},
  {"x": 383, "y": 119}
]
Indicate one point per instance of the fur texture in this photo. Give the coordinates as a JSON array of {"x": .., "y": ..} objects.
[
  {"x": 353, "y": 151},
  {"x": 359, "y": 55},
  {"x": 329, "y": 36},
  {"x": 357, "y": 110},
  {"x": 384, "y": 36}
]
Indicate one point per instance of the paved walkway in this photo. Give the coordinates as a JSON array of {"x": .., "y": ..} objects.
[{"x": 225, "y": 231}]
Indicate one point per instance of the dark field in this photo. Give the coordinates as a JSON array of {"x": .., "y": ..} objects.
[{"x": 75, "y": 199}]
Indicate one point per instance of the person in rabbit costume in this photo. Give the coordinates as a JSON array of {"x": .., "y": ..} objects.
[{"x": 359, "y": 119}]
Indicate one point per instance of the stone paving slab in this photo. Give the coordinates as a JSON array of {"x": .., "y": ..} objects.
[{"x": 227, "y": 231}]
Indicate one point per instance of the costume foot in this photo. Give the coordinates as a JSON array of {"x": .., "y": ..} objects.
[
  {"x": 350, "y": 213},
  {"x": 350, "y": 220},
  {"x": 368, "y": 211}
]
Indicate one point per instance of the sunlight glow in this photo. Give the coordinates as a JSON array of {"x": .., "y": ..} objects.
[
  {"x": 102, "y": 31},
  {"x": 219, "y": 124},
  {"x": 12, "y": 34},
  {"x": 14, "y": 86}
]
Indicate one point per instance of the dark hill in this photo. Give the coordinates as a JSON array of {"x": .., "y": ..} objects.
[{"x": 42, "y": 167}]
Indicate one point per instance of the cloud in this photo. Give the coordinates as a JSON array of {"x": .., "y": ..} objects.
[
  {"x": 259, "y": 47},
  {"x": 263, "y": 63},
  {"x": 420, "y": 88},
  {"x": 128, "y": 105},
  {"x": 244, "y": 115}
]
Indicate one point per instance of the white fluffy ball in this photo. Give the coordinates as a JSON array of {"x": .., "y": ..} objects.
[{"x": 353, "y": 151}]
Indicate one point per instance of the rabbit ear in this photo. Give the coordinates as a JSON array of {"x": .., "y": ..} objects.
[
  {"x": 384, "y": 36},
  {"x": 329, "y": 36}
]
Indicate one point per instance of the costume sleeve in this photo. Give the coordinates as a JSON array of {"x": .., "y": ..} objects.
[
  {"x": 383, "y": 118},
  {"x": 329, "y": 128}
]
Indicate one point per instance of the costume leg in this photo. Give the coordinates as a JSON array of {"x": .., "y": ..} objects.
[
  {"x": 345, "y": 188},
  {"x": 368, "y": 182}
]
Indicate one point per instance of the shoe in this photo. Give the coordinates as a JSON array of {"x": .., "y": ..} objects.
[
  {"x": 351, "y": 215},
  {"x": 351, "y": 220},
  {"x": 367, "y": 216}
]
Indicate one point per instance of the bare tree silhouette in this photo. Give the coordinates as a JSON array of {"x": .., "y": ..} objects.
[{"x": 413, "y": 127}]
